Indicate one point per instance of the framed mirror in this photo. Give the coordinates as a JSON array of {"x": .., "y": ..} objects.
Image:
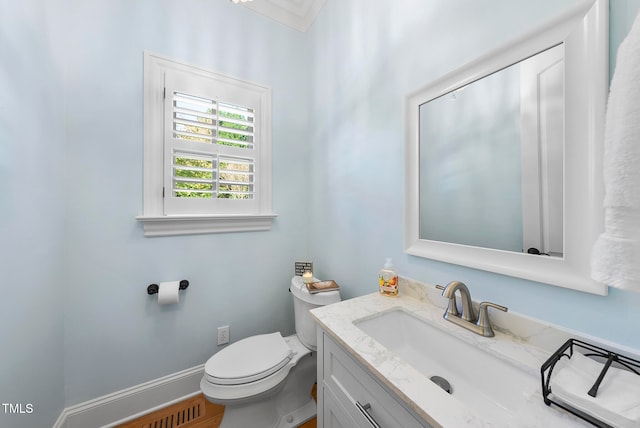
[{"x": 503, "y": 156}]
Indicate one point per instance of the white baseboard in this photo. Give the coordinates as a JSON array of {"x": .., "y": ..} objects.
[{"x": 122, "y": 406}]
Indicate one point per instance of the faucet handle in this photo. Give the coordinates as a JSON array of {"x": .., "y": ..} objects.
[
  {"x": 439, "y": 287},
  {"x": 483, "y": 317},
  {"x": 493, "y": 305}
]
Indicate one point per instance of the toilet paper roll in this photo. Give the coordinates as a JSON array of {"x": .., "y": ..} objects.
[{"x": 168, "y": 292}]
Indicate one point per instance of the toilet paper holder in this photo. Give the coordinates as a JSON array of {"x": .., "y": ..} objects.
[{"x": 154, "y": 288}]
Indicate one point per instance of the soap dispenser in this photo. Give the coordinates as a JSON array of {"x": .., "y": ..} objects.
[{"x": 388, "y": 280}]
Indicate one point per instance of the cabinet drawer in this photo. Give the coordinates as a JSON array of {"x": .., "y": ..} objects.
[
  {"x": 352, "y": 385},
  {"x": 334, "y": 414}
]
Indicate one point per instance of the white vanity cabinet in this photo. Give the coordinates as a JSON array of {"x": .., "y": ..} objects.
[{"x": 349, "y": 396}]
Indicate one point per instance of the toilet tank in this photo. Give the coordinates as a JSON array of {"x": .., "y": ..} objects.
[{"x": 303, "y": 302}]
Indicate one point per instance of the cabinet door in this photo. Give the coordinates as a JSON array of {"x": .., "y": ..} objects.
[
  {"x": 364, "y": 399},
  {"x": 334, "y": 415}
]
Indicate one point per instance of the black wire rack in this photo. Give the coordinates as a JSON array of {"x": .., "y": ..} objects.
[{"x": 595, "y": 352}]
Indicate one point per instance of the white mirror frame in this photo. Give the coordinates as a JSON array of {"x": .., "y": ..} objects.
[{"x": 584, "y": 30}]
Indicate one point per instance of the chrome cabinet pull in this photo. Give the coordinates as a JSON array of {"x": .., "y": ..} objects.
[{"x": 364, "y": 409}]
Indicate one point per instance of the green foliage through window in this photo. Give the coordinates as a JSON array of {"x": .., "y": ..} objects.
[{"x": 200, "y": 120}]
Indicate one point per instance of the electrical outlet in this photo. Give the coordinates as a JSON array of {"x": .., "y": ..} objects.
[{"x": 223, "y": 335}]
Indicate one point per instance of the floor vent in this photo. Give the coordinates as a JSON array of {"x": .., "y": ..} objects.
[
  {"x": 195, "y": 412},
  {"x": 180, "y": 418}
]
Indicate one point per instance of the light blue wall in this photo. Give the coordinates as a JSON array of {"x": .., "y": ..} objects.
[
  {"x": 240, "y": 279},
  {"x": 622, "y": 13},
  {"x": 75, "y": 320},
  {"x": 367, "y": 58},
  {"x": 31, "y": 216}
]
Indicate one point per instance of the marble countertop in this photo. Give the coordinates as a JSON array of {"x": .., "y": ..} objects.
[{"x": 522, "y": 342}]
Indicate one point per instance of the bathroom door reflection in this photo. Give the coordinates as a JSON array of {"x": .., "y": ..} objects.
[{"x": 491, "y": 159}]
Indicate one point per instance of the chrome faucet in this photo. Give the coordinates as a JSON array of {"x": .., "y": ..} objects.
[
  {"x": 467, "y": 308},
  {"x": 467, "y": 318}
]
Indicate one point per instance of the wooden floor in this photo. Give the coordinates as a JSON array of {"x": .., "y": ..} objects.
[
  {"x": 310, "y": 424},
  {"x": 195, "y": 412}
]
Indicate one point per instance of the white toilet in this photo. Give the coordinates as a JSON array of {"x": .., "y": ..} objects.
[{"x": 266, "y": 380}]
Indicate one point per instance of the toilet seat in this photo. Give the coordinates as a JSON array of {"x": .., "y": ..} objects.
[
  {"x": 227, "y": 394},
  {"x": 249, "y": 360}
]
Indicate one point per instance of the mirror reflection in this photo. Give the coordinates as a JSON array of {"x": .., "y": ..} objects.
[{"x": 491, "y": 160}]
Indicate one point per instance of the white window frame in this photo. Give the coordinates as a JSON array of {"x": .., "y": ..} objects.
[{"x": 154, "y": 219}]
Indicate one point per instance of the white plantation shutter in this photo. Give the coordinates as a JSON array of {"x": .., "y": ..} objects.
[
  {"x": 207, "y": 151},
  {"x": 236, "y": 178},
  {"x": 212, "y": 146},
  {"x": 236, "y": 125},
  {"x": 193, "y": 175}
]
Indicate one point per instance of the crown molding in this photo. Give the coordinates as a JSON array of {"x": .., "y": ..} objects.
[{"x": 297, "y": 14}]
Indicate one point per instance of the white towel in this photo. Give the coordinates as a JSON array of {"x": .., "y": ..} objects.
[
  {"x": 617, "y": 401},
  {"x": 615, "y": 259}
]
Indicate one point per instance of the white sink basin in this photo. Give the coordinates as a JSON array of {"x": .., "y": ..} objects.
[{"x": 492, "y": 388}]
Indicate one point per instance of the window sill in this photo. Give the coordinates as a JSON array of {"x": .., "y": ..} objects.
[{"x": 192, "y": 225}]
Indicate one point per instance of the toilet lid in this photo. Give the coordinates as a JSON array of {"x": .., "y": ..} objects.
[{"x": 248, "y": 360}]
